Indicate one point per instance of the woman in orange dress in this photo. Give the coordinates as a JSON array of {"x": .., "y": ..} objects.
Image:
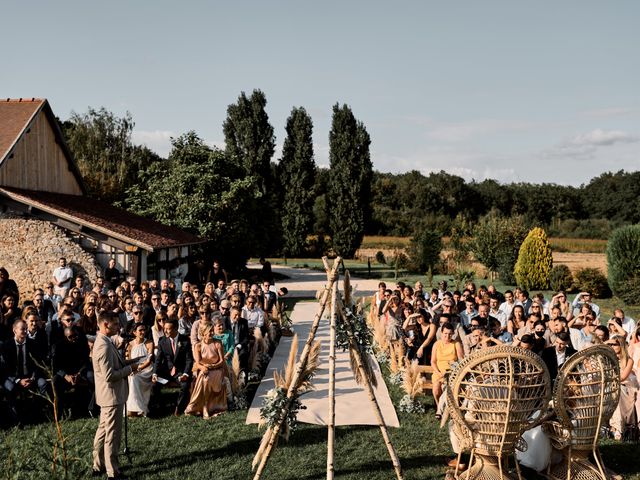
[{"x": 209, "y": 396}]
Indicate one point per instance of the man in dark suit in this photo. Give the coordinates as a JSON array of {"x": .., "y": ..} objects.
[
  {"x": 173, "y": 363},
  {"x": 240, "y": 331},
  {"x": 72, "y": 367},
  {"x": 267, "y": 298},
  {"x": 20, "y": 370},
  {"x": 554, "y": 357}
]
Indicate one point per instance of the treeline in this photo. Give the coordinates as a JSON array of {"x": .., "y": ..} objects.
[
  {"x": 242, "y": 199},
  {"x": 402, "y": 201},
  {"x": 249, "y": 203}
]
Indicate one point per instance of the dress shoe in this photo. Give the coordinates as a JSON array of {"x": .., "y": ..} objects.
[
  {"x": 453, "y": 463},
  {"x": 118, "y": 477},
  {"x": 98, "y": 473}
]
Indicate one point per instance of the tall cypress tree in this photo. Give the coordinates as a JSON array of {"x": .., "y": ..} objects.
[
  {"x": 349, "y": 181},
  {"x": 297, "y": 172},
  {"x": 250, "y": 143}
]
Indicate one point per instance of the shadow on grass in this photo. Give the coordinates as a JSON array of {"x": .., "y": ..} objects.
[{"x": 248, "y": 447}]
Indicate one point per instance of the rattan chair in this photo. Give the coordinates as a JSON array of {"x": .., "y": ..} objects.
[
  {"x": 585, "y": 395},
  {"x": 492, "y": 395}
]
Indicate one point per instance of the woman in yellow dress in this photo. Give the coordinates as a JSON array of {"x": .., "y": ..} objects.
[{"x": 445, "y": 352}]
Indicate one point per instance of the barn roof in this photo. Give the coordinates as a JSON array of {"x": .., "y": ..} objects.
[
  {"x": 93, "y": 215},
  {"x": 16, "y": 117}
]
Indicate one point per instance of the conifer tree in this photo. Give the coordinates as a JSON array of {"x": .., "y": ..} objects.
[
  {"x": 535, "y": 261},
  {"x": 296, "y": 174},
  {"x": 350, "y": 178},
  {"x": 250, "y": 143}
]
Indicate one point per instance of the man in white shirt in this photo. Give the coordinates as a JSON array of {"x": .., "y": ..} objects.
[
  {"x": 253, "y": 313},
  {"x": 508, "y": 304},
  {"x": 496, "y": 312},
  {"x": 62, "y": 277}
]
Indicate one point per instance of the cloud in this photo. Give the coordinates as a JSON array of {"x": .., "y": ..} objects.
[
  {"x": 469, "y": 165},
  {"x": 459, "y": 132},
  {"x": 158, "y": 140},
  {"x": 586, "y": 145},
  {"x": 599, "y": 137}
]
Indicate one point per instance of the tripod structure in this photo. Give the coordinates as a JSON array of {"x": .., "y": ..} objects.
[{"x": 337, "y": 315}]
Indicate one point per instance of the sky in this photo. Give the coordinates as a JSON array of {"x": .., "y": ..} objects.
[{"x": 539, "y": 91}]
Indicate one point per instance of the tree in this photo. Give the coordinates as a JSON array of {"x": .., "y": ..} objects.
[
  {"x": 424, "y": 250},
  {"x": 535, "y": 261},
  {"x": 297, "y": 177},
  {"x": 623, "y": 260},
  {"x": 200, "y": 190},
  {"x": 495, "y": 243},
  {"x": 250, "y": 144},
  {"x": 249, "y": 138},
  {"x": 101, "y": 145},
  {"x": 350, "y": 181}
]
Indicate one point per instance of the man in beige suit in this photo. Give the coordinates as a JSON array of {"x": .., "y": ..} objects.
[{"x": 112, "y": 389}]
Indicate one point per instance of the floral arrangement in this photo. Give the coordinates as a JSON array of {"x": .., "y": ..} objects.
[
  {"x": 410, "y": 405},
  {"x": 280, "y": 408}
]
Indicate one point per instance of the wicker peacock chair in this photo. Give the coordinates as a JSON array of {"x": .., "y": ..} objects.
[
  {"x": 585, "y": 395},
  {"x": 491, "y": 397}
]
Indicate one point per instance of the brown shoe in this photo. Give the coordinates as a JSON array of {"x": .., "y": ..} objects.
[{"x": 453, "y": 463}]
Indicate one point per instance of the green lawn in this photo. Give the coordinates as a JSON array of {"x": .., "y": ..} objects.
[{"x": 192, "y": 448}]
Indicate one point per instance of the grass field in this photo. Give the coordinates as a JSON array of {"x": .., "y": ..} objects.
[
  {"x": 558, "y": 244},
  {"x": 192, "y": 448}
]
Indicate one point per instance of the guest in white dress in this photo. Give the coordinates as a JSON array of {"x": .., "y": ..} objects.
[{"x": 140, "y": 384}]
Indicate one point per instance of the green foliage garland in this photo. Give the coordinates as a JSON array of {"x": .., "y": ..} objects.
[
  {"x": 361, "y": 333},
  {"x": 272, "y": 407}
]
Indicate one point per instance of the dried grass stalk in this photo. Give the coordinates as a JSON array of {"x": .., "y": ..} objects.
[
  {"x": 412, "y": 381},
  {"x": 283, "y": 380},
  {"x": 347, "y": 289},
  {"x": 235, "y": 371},
  {"x": 380, "y": 335}
]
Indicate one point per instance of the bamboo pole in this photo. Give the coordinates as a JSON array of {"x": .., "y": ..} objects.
[
  {"x": 372, "y": 398},
  {"x": 331, "y": 279},
  {"x": 331, "y": 427}
]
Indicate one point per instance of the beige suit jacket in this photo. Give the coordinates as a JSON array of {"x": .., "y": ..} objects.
[{"x": 110, "y": 372}]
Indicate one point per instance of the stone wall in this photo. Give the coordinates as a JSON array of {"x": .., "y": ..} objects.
[{"x": 30, "y": 250}]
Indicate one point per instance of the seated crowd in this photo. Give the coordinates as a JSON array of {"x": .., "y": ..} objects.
[
  {"x": 439, "y": 328},
  {"x": 184, "y": 338}
]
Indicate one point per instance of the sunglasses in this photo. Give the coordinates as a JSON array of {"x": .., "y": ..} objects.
[{"x": 137, "y": 313}]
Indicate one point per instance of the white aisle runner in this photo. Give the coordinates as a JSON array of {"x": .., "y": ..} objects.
[{"x": 352, "y": 401}]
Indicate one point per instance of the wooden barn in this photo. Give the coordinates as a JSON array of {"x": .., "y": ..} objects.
[{"x": 39, "y": 179}]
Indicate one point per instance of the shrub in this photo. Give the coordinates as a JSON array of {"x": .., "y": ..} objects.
[
  {"x": 630, "y": 290},
  {"x": 561, "y": 278},
  {"x": 424, "y": 250},
  {"x": 380, "y": 257},
  {"x": 399, "y": 260},
  {"x": 593, "y": 280},
  {"x": 534, "y": 263},
  {"x": 623, "y": 259}
]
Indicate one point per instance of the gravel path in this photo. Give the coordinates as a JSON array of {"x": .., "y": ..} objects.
[{"x": 303, "y": 282}]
